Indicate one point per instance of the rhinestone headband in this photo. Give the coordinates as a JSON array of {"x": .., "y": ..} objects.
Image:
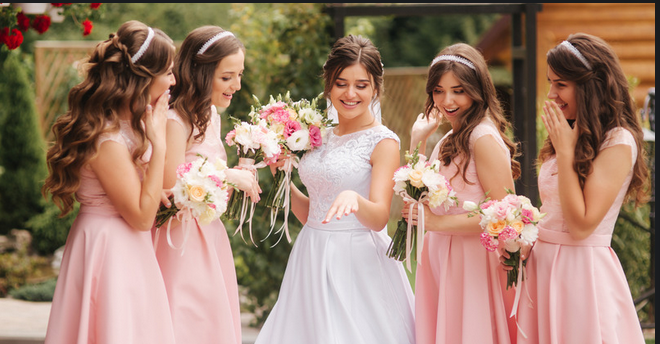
[
  {"x": 454, "y": 58},
  {"x": 214, "y": 39},
  {"x": 577, "y": 53},
  {"x": 144, "y": 46}
]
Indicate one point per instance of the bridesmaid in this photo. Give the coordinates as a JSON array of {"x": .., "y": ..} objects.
[
  {"x": 339, "y": 286},
  {"x": 592, "y": 160},
  {"x": 198, "y": 268},
  {"x": 109, "y": 154},
  {"x": 460, "y": 297}
]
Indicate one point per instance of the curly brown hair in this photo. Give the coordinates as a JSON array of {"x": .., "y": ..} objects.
[
  {"x": 479, "y": 86},
  {"x": 112, "y": 81},
  {"x": 191, "y": 96},
  {"x": 603, "y": 103}
]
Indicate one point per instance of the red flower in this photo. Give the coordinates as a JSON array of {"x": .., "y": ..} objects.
[
  {"x": 94, "y": 6},
  {"x": 12, "y": 41},
  {"x": 23, "y": 21},
  {"x": 87, "y": 27},
  {"x": 41, "y": 23}
]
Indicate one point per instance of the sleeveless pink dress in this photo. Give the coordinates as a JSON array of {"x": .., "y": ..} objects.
[
  {"x": 578, "y": 290},
  {"x": 460, "y": 288},
  {"x": 201, "y": 284},
  {"x": 109, "y": 288}
]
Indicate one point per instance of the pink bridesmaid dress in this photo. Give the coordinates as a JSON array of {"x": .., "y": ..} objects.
[
  {"x": 460, "y": 289},
  {"x": 109, "y": 288},
  {"x": 578, "y": 290},
  {"x": 198, "y": 268}
]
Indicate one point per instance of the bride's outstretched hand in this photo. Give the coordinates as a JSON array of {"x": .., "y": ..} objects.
[{"x": 346, "y": 203}]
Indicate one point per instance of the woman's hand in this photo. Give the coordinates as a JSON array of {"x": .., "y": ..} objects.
[
  {"x": 155, "y": 120},
  {"x": 165, "y": 198},
  {"x": 245, "y": 180},
  {"x": 414, "y": 219},
  {"x": 563, "y": 137},
  {"x": 504, "y": 255},
  {"x": 424, "y": 127},
  {"x": 281, "y": 160},
  {"x": 346, "y": 203}
]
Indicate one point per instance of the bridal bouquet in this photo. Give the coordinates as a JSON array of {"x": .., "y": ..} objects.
[
  {"x": 254, "y": 142},
  {"x": 418, "y": 183},
  {"x": 509, "y": 223},
  {"x": 300, "y": 126},
  {"x": 201, "y": 189}
]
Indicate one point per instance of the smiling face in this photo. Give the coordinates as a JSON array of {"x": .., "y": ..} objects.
[
  {"x": 227, "y": 79},
  {"x": 450, "y": 97},
  {"x": 352, "y": 92},
  {"x": 160, "y": 84},
  {"x": 563, "y": 93}
]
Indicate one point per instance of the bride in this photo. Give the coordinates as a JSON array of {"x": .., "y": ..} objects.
[{"x": 339, "y": 286}]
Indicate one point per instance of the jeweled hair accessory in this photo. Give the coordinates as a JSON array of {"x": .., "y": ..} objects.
[
  {"x": 214, "y": 39},
  {"x": 454, "y": 58},
  {"x": 144, "y": 46},
  {"x": 577, "y": 53}
]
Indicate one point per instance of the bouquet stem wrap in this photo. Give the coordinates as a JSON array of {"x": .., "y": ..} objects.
[
  {"x": 184, "y": 216},
  {"x": 279, "y": 197},
  {"x": 516, "y": 276},
  {"x": 239, "y": 204},
  {"x": 413, "y": 237}
]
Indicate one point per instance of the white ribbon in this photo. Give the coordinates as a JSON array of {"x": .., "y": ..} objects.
[
  {"x": 182, "y": 216},
  {"x": 420, "y": 225},
  {"x": 247, "y": 164},
  {"x": 290, "y": 162},
  {"x": 516, "y": 300}
]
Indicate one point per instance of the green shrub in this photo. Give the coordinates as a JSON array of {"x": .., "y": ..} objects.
[
  {"x": 35, "y": 292},
  {"x": 22, "y": 156},
  {"x": 49, "y": 230},
  {"x": 17, "y": 268}
]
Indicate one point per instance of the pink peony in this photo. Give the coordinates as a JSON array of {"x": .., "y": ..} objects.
[
  {"x": 290, "y": 128},
  {"x": 183, "y": 169},
  {"x": 488, "y": 242},
  {"x": 315, "y": 138},
  {"x": 527, "y": 216}
]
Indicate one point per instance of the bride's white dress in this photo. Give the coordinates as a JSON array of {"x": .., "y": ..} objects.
[{"x": 339, "y": 286}]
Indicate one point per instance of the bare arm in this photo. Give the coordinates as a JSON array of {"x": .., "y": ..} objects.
[
  {"x": 584, "y": 209},
  {"x": 136, "y": 201},
  {"x": 373, "y": 213}
]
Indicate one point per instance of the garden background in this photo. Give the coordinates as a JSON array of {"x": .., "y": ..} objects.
[{"x": 287, "y": 45}]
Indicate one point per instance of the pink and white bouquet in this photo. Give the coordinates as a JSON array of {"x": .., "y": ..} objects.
[
  {"x": 509, "y": 224},
  {"x": 418, "y": 183},
  {"x": 300, "y": 126},
  {"x": 201, "y": 193},
  {"x": 201, "y": 188},
  {"x": 257, "y": 146}
]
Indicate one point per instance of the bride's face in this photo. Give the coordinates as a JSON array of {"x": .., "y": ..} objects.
[{"x": 352, "y": 92}]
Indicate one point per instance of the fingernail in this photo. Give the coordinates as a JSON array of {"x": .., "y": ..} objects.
[{"x": 149, "y": 107}]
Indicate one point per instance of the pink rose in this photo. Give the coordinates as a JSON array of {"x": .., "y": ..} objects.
[
  {"x": 315, "y": 138},
  {"x": 290, "y": 128}
]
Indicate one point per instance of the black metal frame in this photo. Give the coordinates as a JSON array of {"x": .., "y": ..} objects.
[{"x": 523, "y": 16}]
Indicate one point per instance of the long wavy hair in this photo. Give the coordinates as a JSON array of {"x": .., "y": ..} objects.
[
  {"x": 348, "y": 51},
  {"x": 194, "y": 73},
  {"x": 603, "y": 103},
  {"x": 479, "y": 87},
  {"x": 111, "y": 83}
]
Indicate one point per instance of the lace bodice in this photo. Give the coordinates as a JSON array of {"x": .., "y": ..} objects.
[
  {"x": 341, "y": 163},
  {"x": 464, "y": 191},
  {"x": 91, "y": 192},
  {"x": 549, "y": 188},
  {"x": 211, "y": 146}
]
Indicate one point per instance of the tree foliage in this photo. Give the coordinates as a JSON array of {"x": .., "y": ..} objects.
[{"x": 23, "y": 155}]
